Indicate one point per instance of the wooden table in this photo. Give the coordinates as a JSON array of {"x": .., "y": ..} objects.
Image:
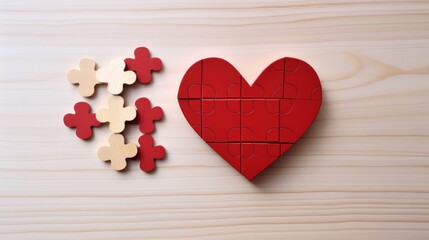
[{"x": 361, "y": 172}]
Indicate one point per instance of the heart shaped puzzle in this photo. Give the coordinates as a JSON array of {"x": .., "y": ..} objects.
[{"x": 250, "y": 126}]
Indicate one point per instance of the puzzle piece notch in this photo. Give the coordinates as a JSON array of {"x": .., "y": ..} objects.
[
  {"x": 115, "y": 77},
  {"x": 260, "y": 120},
  {"x": 143, "y": 64},
  {"x": 83, "y": 120},
  {"x": 117, "y": 152},
  {"x": 296, "y": 116},
  {"x": 84, "y": 77},
  {"x": 220, "y": 79},
  {"x": 147, "y": 153},
  {"x": 116, "y": 115},
  {"x": 301, "y": 81},
  {"x": 221, "y": 120},
  {"x": 190, "y": 87},
  {"x": 192, "y": 110},
  {"x": 146, "y": 115},
  {"x": 269, "y": 84}
]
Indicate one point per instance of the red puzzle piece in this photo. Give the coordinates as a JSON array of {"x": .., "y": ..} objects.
[
  {"x": 193, "y": 113},
  {"x": 143, "y": 64},
  {"x": 82, "y": 120},
  {"x": 251, "y": 165},
  {"x": 260, "y": 120},
  {"x": 147, "y": 153},
  {"x": 191, "y": 87},
  {"x": 231, "y": 152},
  {"x": 213, "y": 70},
  {"x": 296, "y": 116},
  {"x": 146, "y": 115},
  {"x": 250, "y": 126},
  {"x": 267, "y": 89},
  {"x": 221, "y": 120},
  {"x": 301, "y": 81},
  {"x": 252, "y": 153}
]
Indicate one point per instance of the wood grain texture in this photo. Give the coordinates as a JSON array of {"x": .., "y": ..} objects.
[{"x": 361, "y": 172}]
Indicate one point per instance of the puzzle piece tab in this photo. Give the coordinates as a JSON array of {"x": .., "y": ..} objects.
[
  {"x": 84, "y": 77},
  {"x": 83, "y": 120},
  {"x": 117, "y": 152},
  {"x": 115, "y": 76},
  {"x": 259, "y": 120},
  {"x": 147, "y": 153},
  {"x": 116, "y": 115},
  {"x": 221, "y": 120},
  {"x": 301, "y": 81},
  {"x": 143, "y": 64},
  {"x": 146, "y": 115}
]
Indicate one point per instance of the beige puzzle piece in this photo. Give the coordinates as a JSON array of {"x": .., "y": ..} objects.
[
  {"x": 117, "y": 152},
  {"x": 115, "y": 76},
  {"x": 116, "y": 114},
  {"x": 85, "y": 77}
]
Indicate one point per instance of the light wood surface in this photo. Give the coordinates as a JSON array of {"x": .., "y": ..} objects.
[{"x": 361, "y": 172}]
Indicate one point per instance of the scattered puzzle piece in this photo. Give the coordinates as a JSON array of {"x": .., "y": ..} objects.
[
  {"x": 85, "y": 77},
  {"x": 117, "y": 152},
  {"x": 146, "y": 115},
  {"x": 82, "y": 120},
  {"x": 115, "y": 76},
  {"x": 116, "y": 114},
  {"x": 148, "y": 153},
  {"x": 143, "y": 64}
]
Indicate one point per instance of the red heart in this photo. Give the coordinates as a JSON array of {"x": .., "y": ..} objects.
[{"x": 250, "y": 126}]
